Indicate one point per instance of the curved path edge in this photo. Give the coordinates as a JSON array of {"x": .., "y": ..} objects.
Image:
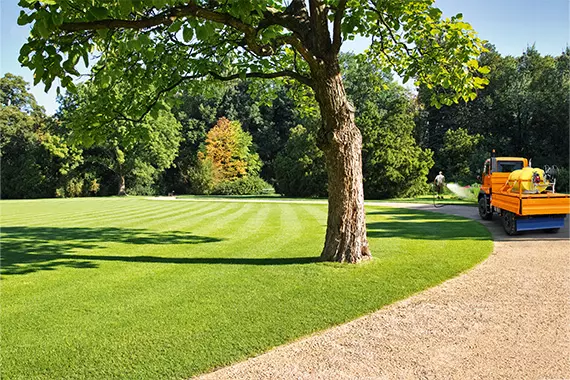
[{"x": 508, "y": 317}]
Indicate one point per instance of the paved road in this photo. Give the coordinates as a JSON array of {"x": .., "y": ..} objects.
[{"x": 508, "y": 318}]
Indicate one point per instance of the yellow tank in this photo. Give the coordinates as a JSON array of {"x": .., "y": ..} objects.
[{"x": 528, "y": 180}]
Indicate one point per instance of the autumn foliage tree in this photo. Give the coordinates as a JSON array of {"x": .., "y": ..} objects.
[
  {"x": 155, "y": 45},
  {"x": 228, "y": 148},
  {"x": 226, "y": 162}
]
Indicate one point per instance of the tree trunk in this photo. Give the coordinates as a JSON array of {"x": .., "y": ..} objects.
[
  {"x": 122, "y": 187},
  {"x": 341, "y": 141}
]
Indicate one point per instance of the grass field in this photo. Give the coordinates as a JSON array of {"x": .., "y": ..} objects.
[
  {"x": 428, "y": 199},
  {"x": 135, "y": 288}
]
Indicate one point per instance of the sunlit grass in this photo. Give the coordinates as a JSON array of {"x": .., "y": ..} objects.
[{"x": 135, "y": 288}]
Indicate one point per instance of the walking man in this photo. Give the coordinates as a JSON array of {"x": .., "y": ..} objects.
[{"x": 439, "y": 181}]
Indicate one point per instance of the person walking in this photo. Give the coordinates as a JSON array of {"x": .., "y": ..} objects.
[{"x": 439, "y": 182}]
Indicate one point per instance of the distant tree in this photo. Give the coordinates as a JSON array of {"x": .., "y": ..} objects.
[
  {"x": 229, "y": 149},
  {"x": 136, "y": 152},
  {"x": 458, "y": 148},
  {"x": 226, "y": 162},
  {"x": 300, "y": 166},
  {"x": 524, "y": 111},
  {"x": 34, "y": 157},
  {"x": 394, "y": 165}
]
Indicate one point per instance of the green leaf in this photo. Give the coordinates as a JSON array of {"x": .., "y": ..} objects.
[
  {"x": 134, "y": 44},
  {"x": 24, "y": 19},
  {"x": 126, "y": 6},
  {"x": 99, "y": 12},
  {"x": 57, "y": 18},
  {"x": 175, "y": 27},
  {"x": 484, "y": 70},
  {"x": 188, "y": 33},
  {"x": 42, "y": 28},
  {"x": 85, "y": 56}
]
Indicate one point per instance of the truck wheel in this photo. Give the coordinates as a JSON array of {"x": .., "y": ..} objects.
[
  {"x": 509, "y": 223},
  {"x": 483, "y": 209}
]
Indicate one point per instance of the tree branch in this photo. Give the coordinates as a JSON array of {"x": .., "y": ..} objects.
[
  {"x": 321, "y": 40},
  {"x": 157, "y": 98},
  {"x": 277, "y": 74},
  {"x": 295, "y": 18},
  {"x": 337, "y": 25},
  {"x": 169, "y": 16}
]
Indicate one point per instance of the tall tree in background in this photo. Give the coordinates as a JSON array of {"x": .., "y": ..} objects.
[
  {"x": 34, "y": 157},
  {"x": 138, "y": 153},
  {"x": 169, "y": 41},
  {"x": 524, "y": 111}
]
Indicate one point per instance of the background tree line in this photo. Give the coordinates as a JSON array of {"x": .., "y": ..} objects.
[{"x": 245, "y": 137}]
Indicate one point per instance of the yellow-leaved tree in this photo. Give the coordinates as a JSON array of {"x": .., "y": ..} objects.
[{"x": 226, "y": 162}]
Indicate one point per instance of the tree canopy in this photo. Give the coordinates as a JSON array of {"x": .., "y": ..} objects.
[{"x": 156, "y": 45}]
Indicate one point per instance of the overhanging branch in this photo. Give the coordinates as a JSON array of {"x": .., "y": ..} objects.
[
  {"x": 294, "y": 23},
  {"x": 277, "y": 74}
]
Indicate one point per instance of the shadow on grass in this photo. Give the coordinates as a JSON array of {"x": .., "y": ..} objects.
[
  {"x": 413, "y": 224},
  {"x": 30, "y": 249}
]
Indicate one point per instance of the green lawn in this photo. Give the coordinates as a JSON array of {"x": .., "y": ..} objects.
[
  {"x": 449, "y": 199},
  {"x": 136, "y": 288}
]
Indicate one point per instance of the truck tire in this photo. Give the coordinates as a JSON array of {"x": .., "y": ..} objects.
[
  {"x": 552, "y": 230},
  {"x": 483, "y": 209},
  {"x": 509, "y": 223}
]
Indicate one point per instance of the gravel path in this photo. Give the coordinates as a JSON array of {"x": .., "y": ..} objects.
[{"x": 508, "y": 318}]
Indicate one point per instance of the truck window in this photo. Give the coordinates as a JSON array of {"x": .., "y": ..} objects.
[{"x": 509, "y": 166}]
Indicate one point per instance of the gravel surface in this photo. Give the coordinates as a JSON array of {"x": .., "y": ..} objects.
[{"x": 508, "y": 318}]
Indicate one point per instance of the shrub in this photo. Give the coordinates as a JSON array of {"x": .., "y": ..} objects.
[
  {"x": 563, "y": 181},
  {"x": 200, "y": 177},
  {"x": 243, "y": 186}
]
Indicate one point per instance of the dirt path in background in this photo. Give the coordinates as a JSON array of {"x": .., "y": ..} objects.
[{"x": 508, "y": 318}]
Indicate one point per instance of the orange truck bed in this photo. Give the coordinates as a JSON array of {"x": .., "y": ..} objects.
[
  {"x": 522, "y": 204},
  {"x": 532, "y": 204}
]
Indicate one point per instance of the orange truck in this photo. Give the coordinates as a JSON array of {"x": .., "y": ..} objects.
[{"x": 524, "y": 197}]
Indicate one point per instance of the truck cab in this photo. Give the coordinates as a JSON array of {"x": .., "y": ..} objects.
[{"x": 496, "y": 171}]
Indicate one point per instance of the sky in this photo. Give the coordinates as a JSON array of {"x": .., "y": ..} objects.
[{"x": 510, "y": 25}]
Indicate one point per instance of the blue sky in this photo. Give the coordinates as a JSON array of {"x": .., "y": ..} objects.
[{"x": 511, "y": 25}]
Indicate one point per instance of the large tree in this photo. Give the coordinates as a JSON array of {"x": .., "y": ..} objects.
[
  {"x": 35, "y": 158},
  {"x": 157, "y": 44},
  {"x": 138, "y": 153}
]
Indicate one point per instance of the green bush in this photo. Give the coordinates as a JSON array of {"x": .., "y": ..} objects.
[
  {"x": 243, "y": 186},
  {"x": 79, "y": 185},
  {"x": 563, "y": 181},
  {"x": 200, "y": 177}
]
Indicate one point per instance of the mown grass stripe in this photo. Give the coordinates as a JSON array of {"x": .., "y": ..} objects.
[
  {"x": 146, "y": 210},
  {"x": 70, "y": 205},
  {"x": 87, "y": 215},
  {"x": 165, "y": 216}
]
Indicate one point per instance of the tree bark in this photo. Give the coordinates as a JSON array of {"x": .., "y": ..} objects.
[{"x": 341, "y": 141}]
